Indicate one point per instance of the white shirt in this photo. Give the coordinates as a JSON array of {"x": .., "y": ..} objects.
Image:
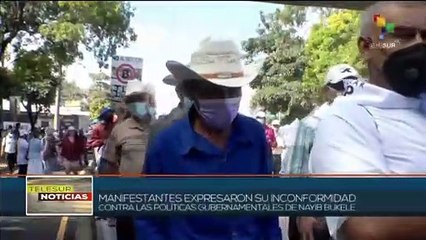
[
  {"x": 22, "y": 152},
  {"x": 279, "y": 137},
  {"x": 289, "y": 132},
  {"x": 373, "y": 130},
  {"x": 9, "y": 143}
]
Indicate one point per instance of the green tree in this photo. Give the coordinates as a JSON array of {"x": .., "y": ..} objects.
[
  {"x": 98, "y": 94},
  {"x": 332, "y": 41},
  {"x": 71, "y": 92},
  {"x": 278, "y": 85},
  {"x": 37, "y": 77},
  {"x": 61, "y": 26}
]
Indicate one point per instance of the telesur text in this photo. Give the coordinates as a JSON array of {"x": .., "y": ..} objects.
[{"x": 58, "y": 193}]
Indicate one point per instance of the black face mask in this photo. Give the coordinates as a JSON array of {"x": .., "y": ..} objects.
[{"x": 405, "y": 70}]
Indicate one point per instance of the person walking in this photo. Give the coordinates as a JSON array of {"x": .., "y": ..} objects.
[
  {"x": 379, "y": 126},
  {"x": 50, "y": 152},
  {"x": 101, "y": 132},
  {"x": 213, "y": 138},
  {"x": 336, "y": 79},
  {"x": 35, "y": 148},
  {"x": 22, "y": 153},
  {"x": 83, "y": 139},
  {"x": 126, "y": 147},
  {"x": 269, "y": 132},
  {"x": 277, "y": 151},
  {"x": 72, "y": 152},
  {"x": 8, "y": 150}
]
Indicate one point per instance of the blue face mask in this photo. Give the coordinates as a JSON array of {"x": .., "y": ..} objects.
[
  {"x": 152, "y": 111},
  {"x": 139, "y": 109}
]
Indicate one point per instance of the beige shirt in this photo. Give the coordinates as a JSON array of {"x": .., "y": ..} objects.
[{"x": 126, "y": 146}]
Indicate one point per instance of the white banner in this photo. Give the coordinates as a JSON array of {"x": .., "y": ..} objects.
[{"x": 124, "y": 69}]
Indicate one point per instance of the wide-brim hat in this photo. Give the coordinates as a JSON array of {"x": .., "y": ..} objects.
[
  {"x": 170, "y": 80},
  {"x": 218, "y": 62}
]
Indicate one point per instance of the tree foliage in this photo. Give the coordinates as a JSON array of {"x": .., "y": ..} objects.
[
  {"x": 71, "y": 92},
  {"x": 98, "y": 94},
  {"x": 36, "y": 75},
  {"x": 332, "y": 41},
  {"x": 279, "y": 81},
  {"x": 61, "y": 26},
  {"x": 293, "y": 72},
  {"x": 57, "y": 29}
]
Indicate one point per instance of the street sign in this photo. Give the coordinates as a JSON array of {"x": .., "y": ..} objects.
[
  {"x": 125, "y": 72},
  {"x": 124, "y": 69}
]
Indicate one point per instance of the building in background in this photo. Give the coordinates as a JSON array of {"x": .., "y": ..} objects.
[{"x": 70, "y": 115}]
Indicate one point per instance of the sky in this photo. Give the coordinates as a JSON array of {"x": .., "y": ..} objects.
[{"x": 172, "y": 31}]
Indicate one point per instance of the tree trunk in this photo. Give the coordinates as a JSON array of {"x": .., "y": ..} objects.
[{"x": 30, "y": 116}]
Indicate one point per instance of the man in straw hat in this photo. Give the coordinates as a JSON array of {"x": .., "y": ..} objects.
[
  {"x": 212, "y": 139},
  {"x": 379, "y": 127},
  {"x": 125, "y": 148}
]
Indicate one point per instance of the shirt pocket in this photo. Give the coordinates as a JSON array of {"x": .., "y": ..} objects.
[{"x": 132, "y": 156}]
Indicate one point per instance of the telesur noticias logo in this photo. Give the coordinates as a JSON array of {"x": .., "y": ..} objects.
[
  {"x": 385, "y": 27},
  {"x": 59, "y": 193}
]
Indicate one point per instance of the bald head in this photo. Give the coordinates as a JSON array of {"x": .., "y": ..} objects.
[{"x": 379, "y": 48}]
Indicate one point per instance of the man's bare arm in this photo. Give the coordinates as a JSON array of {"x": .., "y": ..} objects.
[{"x": 384, "y": 228}]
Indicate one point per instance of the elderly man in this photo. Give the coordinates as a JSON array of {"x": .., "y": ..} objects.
[
  {"x": 177, "y": 113},
  {"x": 212, "y": 139},
  {"x": 337, "y": 78},
  {"x": 125, "y": 148},
  {"x": 380, "y": 127}
]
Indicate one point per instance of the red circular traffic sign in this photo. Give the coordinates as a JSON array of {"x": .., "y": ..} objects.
[{"x": 125, "y": 72}]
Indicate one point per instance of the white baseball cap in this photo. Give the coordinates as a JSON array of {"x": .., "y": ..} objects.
[{"x": 341, "y": 72}]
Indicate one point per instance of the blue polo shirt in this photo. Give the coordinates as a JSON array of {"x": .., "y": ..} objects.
[{"x": 180, "y": 150}]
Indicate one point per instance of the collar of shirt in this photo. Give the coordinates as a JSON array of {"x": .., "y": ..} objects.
[
  {"x": 191, "y": 139},
  {"x": 371, "y": 95},
  {"x": 133, "y": 124}
]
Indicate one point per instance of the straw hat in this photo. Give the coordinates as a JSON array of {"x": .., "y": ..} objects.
[{"x": 216, "y": 61}]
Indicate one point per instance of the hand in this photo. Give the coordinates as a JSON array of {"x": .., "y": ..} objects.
[{"x": 306, "y": 226}]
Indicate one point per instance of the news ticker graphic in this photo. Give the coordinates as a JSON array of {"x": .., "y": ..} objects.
[
  {"x": 59, "y": 195},
  {"x": 114, "y": 196}
]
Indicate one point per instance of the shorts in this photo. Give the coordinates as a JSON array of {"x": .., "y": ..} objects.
[{"x": 72, "y": 166}]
